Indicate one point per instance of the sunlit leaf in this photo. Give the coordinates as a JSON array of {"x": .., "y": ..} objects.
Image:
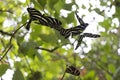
[
  {"x": 83, "y": 7},
  {"x": 51, "y": 38},
  {"x": 111, "y": 68},
  {"x": 70, "y": 18},
  {"x": 3, "y": 68},
  {"x": 106, "y": 24},
  {"x": 68, "y": 6},
  {"x": 51, "y": 3},
  {"x": 42, "y": 3},
  {"x": 18, "y": 75},
  {"x": 28, "y": 48},
  {"x": 59, "y": 5}
]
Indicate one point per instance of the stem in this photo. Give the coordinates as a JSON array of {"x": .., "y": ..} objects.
[
  {"x": 5, "y": 53},
  {"x": 9, "y": 46},
  {"x": 63, "y": 75}
]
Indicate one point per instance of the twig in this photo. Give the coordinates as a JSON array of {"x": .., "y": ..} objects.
[
  {"x": 5, "y": 53},
  {"x": 9, "y": 10},
  {"x": 74, "y": 58},
  {"x": 63, "y": 75},
  {"x": 5, "y": 33},
  {"x": 16, "y": 32},
  {"x": 1, "y": 78},
  {"x": 50, "y": 50},
  {"x": 11, "y": 40}
]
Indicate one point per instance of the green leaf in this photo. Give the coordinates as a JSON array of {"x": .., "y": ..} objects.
[
  {"x": 36, "y": 4},
  {"x": 42, "y": 3},
  {"x": 19, "y": 39},
  {"x": 51, "y": 3},
  {"x": 36, "y": 30},
  {"x": 28, "y": 48},
  {"x": 24, "y": 18},
  {"x": 106, "y": 24},
  {"x": 68, "y": 6},
  {"x": 104, "y": 59},
  {"x": 117, "y": 74},
  {"x": 17, "y": 64},
  {"x": 90, "y": 75},
  {"x": 70, "y": 17},
  {"x": 108, "y": 77},
  {"x": 111, "y": 68},
  {"x": 39, "y": 56},
  {"x": 3, "y": 68},
  {"x": 117, "y": 14},
  {"x": 59, "y": 5},
  {"x": 49, "y": 38},
  {"x": 18, "y": 75},
  {"x": 83, "y": 6}
]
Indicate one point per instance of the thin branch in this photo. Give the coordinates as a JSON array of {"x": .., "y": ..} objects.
[
  {"x": 9, "y": 11},
  {"x": 50, "y": 50},
  {"x": 5, "y": 53},
  {"x": 5, "y": 33},
  {"x": 74, "y": 58},
  {"x": 63, "y": 75},
  {"x": 9, "y": 46},
  {"x": 16, "y": 32}
]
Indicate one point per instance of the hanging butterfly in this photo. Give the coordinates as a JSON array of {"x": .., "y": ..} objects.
[
  {"x": 42, "y": 19},
  {"x": 72, "y": 70}
]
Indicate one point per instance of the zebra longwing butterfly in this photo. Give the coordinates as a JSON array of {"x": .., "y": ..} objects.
[{"x": 72, "y": 70}]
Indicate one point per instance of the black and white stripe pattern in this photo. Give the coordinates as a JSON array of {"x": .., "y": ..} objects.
[
  {"x": 86, "y": 35},
  {"x": 72, "y": 70},
  {"x": 53, "y": 23},
  {"x": 82, "y": 23},
  {"x": 42, "y": 19},
  {"x": 33, "y": 12},
  {"x": 91, "y": 35},
  {"x": 36, "y": 13}
]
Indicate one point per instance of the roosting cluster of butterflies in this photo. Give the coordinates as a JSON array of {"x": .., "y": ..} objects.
[{"x": 54, "y": 23}]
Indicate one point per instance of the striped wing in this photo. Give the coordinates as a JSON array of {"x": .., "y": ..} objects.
[
  {"x": 33, "y": 11},
  {"x": 53, "y": 21},
  {"x": 86, "y": 35},
  {"x": 34, "y": 15},
  {"x": 81, "y": 21},
  {"x": 91, "y": 35},
  {"x": 79, "y": 41},
  {"x": 72, "y": 70},
  {"x": 49, "y": 21},
  {"x": 65, "y": 32},
  {"x": 77, "y": 30}
]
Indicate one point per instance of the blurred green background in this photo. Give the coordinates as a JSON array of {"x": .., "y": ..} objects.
[{"x": 27, "y": 61}]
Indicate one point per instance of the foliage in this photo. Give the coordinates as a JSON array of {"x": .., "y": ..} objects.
[{"x": 42, "y": 53}]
